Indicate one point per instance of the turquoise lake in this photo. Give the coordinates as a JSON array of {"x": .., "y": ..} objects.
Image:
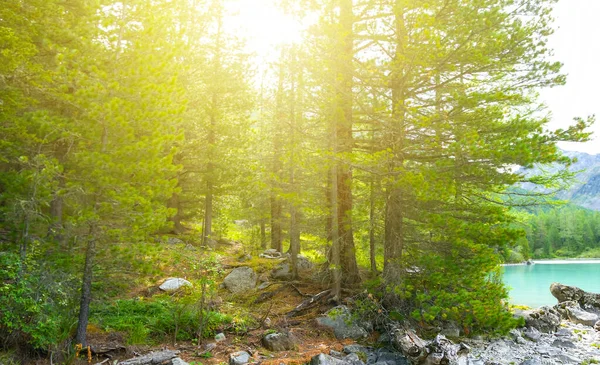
[{"x": 530, "y": 284}]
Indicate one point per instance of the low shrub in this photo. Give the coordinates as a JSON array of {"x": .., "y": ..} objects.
[
  {"x": 36, "y": 310},
  {"x": 160, "y": 318}
]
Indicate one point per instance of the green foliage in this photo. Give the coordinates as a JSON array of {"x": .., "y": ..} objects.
[
  {"x": 121, "y": 119},
  {"x": 562, "y": 232},
  {"x": 158, "y": 319},
  {"x": 464, "y": 286},
  {"x": 8, "y": 358},
  {"x": 35, "y": 311}
]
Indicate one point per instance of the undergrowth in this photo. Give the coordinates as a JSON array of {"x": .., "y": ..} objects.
[{"x": 160, "y": 318}]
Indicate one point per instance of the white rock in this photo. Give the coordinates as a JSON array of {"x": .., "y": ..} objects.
[{"x": 174, "y": 284}]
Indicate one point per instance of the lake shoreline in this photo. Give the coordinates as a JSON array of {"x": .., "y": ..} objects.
[{"x": 573, "y": 260}]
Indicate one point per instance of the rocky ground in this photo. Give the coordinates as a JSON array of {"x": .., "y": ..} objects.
[
  {"x": 570, "y": 344},
  {"x": 303, "y": 328}
]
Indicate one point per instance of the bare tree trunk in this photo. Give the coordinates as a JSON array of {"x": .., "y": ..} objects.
[
  {"x": 394, "y": 217},
  {"x": 263, "y": 233},
  {"x": 345, "y": 143},
  {"x": 276, "y": 203},
  {"x": 372, "y": 226},
  {"x": 276, "y": 208},
  {"x": 207, "y": 233},
  {"x": 207, "y": 239},
  {"x": 335, "y": 241},
  {"x": 174, "y": 203}
]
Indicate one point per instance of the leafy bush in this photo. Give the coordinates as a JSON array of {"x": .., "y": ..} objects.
[
  {"x": 36, "y": 311},
  {"x": 462, "y": 284},
  {"x": 591, "y": 253}
]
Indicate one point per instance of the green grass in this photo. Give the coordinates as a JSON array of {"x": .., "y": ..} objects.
[{"x": 146, "y": 321}]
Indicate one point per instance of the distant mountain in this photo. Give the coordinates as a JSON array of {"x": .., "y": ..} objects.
[{"x": 585, "y": 190}]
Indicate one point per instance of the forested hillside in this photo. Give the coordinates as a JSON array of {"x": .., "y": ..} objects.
[
  {"x": 381, "y": 145},
  {"x": 563, "y": 231}
]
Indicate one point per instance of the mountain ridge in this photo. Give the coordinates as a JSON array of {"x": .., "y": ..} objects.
[{"x": 585, "y": 190}]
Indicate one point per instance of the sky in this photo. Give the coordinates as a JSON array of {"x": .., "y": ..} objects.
[{"x": 576, "y": 43}]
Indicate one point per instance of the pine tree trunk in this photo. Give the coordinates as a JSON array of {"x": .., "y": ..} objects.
[
  {"x": 335, "y": 241},
  {"x": 276, "y": 222},
  {"x": 86, "y": 290},
  {"x": 207, "y": 234},
  {"x": 263, "y": 234},
  {"x": 394, "y": 214},
  {"x": 294, "y": 240},
  {"x": 276, "y": 203},
  {"x": 345, "y": 143},
  {"x": 372, "y": 227},
  {"x": 394, "y": 237},
  {"x": 174, "y": 203},
  {"x": 208, "y": 215}
]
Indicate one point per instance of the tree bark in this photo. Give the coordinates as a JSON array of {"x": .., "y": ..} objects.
[
  {"x": 345, "y": 143},
  {"x": 276, "y": 171},
  {"x": 208, "y": 215},
  {"x": 207, "y": 238},
  {"x": 394, "y": 217},
  {"x": 174, "y": 203},
  {"x": 335, "y": 241},
  {"x": 372, "y": 227},
  {"x": 263, "y": 234}
]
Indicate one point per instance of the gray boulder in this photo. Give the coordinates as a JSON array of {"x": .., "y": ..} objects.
[
  {"x": 565, "y": 344},
  {"x": 364, "y": 353},
  {"x": 174, "y": 241},
  {"x": 240, "y": 279},
  {"x": 278, "y": 342},
  {"x": 239, "y": 358},
  {"x": 271, "y": 253},
  {"x": 532, "y": 362},
  {"x": 174, "y": 284},
  {"x": 389, "y": 357},
  {"x": 576, "y": 315},
  {"x": 337, "y": 354},
  {"x": 566, "y": 293},
  {"x": 178, "y": 361},
  {"x": 532, "y": 334},
  {"x": 304, "y": 264},
  {"x": 355, "y": 348},
  {"x": 245, "y": 257},
  {"x": 282, "y": 272},
  {"x": 354, "y": 359},
  {"x": 264, "y": 285},
  {"x": 322, "y": 359},
  {"x": 566, "y": 358},
  {"x": 544, "y": 319},
  {"x": 344, "y": 326}
]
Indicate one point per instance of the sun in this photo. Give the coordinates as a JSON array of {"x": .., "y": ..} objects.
[{"x": 264, "y": 25}]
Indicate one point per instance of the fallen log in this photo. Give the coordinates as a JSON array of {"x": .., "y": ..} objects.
[
  {"x": 565, "y": 293},
  {"x": 153, "y": 358},
  {"x": 309, "y": 303},
  {"x": 420, "y": 352},
  {"x": 410, "y": 344}
]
